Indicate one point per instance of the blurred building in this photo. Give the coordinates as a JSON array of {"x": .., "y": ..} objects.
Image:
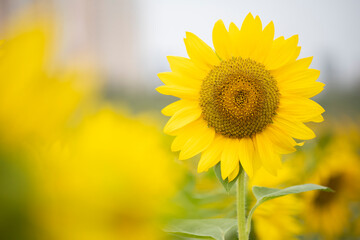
[{"x": 101, "y": 32}]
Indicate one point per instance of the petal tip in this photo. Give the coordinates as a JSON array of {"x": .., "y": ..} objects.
[
  {"x": 189, "y": 35},
  {"x": 249, "y": 15},
  {"x": 158, "y": 89},
  {"x": 220, "y": 21},
  {"x": 181, "y": 156},
  {"x": 201, "y": 169}
]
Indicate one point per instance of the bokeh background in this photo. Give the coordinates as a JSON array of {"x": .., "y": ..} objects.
[{"x": 82, "y": 155}]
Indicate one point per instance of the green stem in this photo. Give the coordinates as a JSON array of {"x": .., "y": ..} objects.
[
  {"x": 241, "y": 200},
  {"x": 248, "y": 222}
]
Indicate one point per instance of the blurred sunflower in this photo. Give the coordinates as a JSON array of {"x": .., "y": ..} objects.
[
  {"x": 329, "y": 214},
  {"x": 34, "y": 104},
  {"x": 278, "y": 218},
  {"x": 242, "y": 103},
  {"x": 100, "y": 182}
]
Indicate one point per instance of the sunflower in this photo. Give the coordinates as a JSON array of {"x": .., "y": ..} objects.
[
  {"x": 243, "y": 103},
  {"x": 278, "y": 218},
  {"x": 34, "y": 103},
  {"x": 121, "y": 197},
  {"x": 339, "y": 170}
]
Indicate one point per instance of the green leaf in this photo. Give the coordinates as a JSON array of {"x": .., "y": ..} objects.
[
  {"x": 263, "y": 194},
  {"x": 218, "y": 229},
  {"x": 226, "y": 184},
  {"x": 262, "y": 191}
]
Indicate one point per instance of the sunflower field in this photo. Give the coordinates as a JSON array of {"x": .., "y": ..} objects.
[{"x": 112, "y": 128}]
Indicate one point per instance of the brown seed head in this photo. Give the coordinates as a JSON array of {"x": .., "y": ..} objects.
[{"x": 239, "y": 98}]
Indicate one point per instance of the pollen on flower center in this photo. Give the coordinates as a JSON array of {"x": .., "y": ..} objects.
[{"x": 239, "y": 98}]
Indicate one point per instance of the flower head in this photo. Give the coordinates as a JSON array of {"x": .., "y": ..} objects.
[
  {"x": 340, "y": 170},
  {"x": 101, "y": 182},
  {"x": 243, "y": 103},
  {"x": 278, "y": 218},
  {"x": 35, "y": 103}
]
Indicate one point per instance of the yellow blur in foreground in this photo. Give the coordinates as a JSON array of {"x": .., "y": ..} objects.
[
  {"x": 102, "y": 175},
  {"x": 34, "y": 103},
  {"x": 109, "y": 179},
  {"x": 278, "y": 218},
  {"x": 332, "y": 215}
]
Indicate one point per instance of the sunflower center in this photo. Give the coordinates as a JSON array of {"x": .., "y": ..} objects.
[
  {"x": 323, "y": 198},
  {"x": 239, "y": 98}
]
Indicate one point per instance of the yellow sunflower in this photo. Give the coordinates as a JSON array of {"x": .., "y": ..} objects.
[
  {"x": 122, "y": 197},
  {"x": 35, "y": 103},
  {"x": 243, "y": 103},
  {"x": 330, "y": 214},
  {"x": 278, "y": 218}
]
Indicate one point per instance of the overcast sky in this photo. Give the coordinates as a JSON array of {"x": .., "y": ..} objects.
[
  {"x": 329, "y": 30},
  {"x": 131, "y": 38}
]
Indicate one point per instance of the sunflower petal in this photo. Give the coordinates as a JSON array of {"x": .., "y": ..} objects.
[
  {"x": 269, "y": 159},
  {"x": 282, "y": 52},
  {"x": 199, "y": 52},
  {"x": 246, "y": 155},
  {"x": 247, "y": 39},
  {"x": 303, "y": 109},
  {"x": 299, "y": 83},
  {"x": 180, "y": 92},
  {"x": 287, "y": 71},
  {"x": 308, "y": 90},
  {"x": 211, "y": 156},
  {"x": 171, "y": 78},
  {"x": 234, "y": 33},
  {"x": 178, "y": 142},
  {"x": 172, "y": 108},
  {"x": 234, "y": 173},
  {"x": 186, "y": 67},
  {"x": 182, "y": 118},
  {"x": 317, "y": 119},
  {"x": 295, "y": 128},
  {"x": 300, "y": 77},
  {"x": 221, "y": 40},
  {"x": 283, "y": 142},
  {"x": 229, "y": 157},
  {"x": 199, "y": 138},
  {"x": 264, "y": 45}
]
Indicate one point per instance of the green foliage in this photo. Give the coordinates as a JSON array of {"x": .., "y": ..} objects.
[
  {"x": 263, "y": 194},
  {"x": 227, "y": 185},
  {"x": 218, "y": 229}
]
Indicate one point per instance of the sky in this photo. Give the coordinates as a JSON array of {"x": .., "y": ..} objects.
[
  {"x": 329, "y": 30},
  {"x": 130, "y": 39}
]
